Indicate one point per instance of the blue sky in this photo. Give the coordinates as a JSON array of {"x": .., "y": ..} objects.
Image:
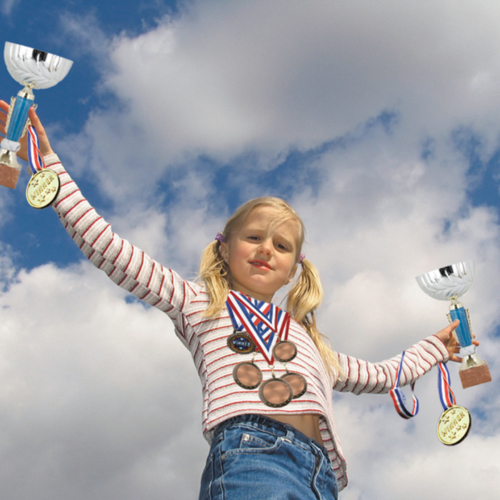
[
  {"x": 77, "y": 93},
  {"x": 378, "y": 121}
]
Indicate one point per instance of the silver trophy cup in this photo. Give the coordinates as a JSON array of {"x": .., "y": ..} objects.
[
  {"x": 449, "y": 283},
  {"x": 33, "y": 69}
]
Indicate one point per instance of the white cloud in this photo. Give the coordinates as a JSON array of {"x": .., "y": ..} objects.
[
  {"x": 92, "y": 391},
  {"x": 237, "y": 75},
  {"x": 86, "y": 36},
  {"x": 228, "y": 78},
  {"x": 390, "y": 457}
]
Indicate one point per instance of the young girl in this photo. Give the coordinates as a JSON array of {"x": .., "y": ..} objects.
[{"x": 267, "y": 374}]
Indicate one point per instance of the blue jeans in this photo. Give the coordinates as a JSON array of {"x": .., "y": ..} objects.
[{"x": 255, "y": 457}]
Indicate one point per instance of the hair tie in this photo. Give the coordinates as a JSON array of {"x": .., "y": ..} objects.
[
  {"x": 302, "y": 257},
  {"x": 220, "y": 238}
]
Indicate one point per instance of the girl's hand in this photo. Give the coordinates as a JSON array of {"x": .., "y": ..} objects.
[
  {"x": 45, "y": 148},
  {"x": 448, "y": 338}
]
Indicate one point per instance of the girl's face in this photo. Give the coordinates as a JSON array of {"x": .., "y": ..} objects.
[{"x": 260, "y": 263}]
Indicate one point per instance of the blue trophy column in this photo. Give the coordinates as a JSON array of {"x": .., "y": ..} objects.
[
  {"x": 462, "y": 330},
  {"x": 18, "y": 118}
]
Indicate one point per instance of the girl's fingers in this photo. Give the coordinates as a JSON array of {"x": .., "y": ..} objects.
[
  {"x": 4, "y": 109},
  {"x": 4, "y": 106},
  {"x": 35, "y": 121}
]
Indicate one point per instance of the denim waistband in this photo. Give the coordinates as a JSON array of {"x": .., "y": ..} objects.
[{"x": 266, "y": 423}]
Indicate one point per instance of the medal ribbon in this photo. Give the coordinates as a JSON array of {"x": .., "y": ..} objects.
[
  {"x": 35, "y": 158},
  {"x": 265, "y": 323},
  {"x": 445, "y": 393},
  {"x": 238, "y": 326},
  {"x": 285, "y": 328},
  {"x": 398, "y": 398},
  {"x": 270, "y": 315}
]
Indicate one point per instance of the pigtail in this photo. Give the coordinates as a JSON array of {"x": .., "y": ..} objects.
[
  {"x": 306, "y": 294},
  {"x": 303, "y": 300},
  {"x": 214, "y": 272}
]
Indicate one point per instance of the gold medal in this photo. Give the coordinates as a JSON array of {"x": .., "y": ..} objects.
[
  {"x": 454, "y": 425},
  {"x": 43, "y": 188}
]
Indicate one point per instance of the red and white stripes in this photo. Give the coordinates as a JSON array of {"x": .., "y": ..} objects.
[{"x": 206, "y": 338}]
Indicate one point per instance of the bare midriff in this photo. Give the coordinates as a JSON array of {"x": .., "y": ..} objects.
[{"x": 308, "y": 424}]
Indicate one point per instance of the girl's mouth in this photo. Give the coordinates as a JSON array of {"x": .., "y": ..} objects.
[{"x": 261, "y": 264}]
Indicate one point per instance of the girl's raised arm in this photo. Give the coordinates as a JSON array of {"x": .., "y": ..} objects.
[
  {"x": 377, "y": 378},
  {"x": 127, "y": 265}
]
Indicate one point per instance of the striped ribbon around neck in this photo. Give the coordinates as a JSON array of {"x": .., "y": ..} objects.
[{"x": 264, "y": 322}]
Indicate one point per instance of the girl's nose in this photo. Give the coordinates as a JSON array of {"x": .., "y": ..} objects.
[{"x": 266, "y": 246}]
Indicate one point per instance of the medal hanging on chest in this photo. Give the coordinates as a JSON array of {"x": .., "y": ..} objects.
[
  {"x": 455, "y": 422},
  {"x": 44, "y": 184},
  {"x": 263, "y": 327},
  {"x": 241, "y": 343}
]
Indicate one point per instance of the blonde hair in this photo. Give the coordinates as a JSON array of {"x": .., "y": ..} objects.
[{"x": 306, "y": 293}]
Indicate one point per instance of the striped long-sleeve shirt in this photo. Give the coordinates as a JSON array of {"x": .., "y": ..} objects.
[{"x": 185, "y": 303}]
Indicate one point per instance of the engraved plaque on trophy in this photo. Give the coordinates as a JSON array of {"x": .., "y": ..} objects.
[
  {"x": 33, "y": 69},
  {"x": 450, "y": 283}
]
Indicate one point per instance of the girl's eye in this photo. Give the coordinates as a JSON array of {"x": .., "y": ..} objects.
[
  {"x": 254, "y": 238},
  {"x": 281, "y": 246}
]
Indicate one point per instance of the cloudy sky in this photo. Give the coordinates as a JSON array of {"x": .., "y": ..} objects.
[{"x": 378, "y": 121}]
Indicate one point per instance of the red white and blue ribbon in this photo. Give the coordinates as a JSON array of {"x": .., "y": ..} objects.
[
  {"x": 398, "y": 398},
  {"x": 35, "y": 158},
  {"x": 446, "y": 395},
  {"x": 265, "y": 323}
]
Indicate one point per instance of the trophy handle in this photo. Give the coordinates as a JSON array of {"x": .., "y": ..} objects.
[
  {"x": 449, "y": 283},
  {"x": 463, "y": 330},
  {"x": 17, "y": 120},
  {"x": 16, "y": 125},
  {"x": 473, "y": 370},
  {"x": 33, "y": 69}
]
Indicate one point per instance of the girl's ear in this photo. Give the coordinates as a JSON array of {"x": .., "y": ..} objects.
[
  {"x": 292, "y": 274},
  {"x": 223, "y": 251}
]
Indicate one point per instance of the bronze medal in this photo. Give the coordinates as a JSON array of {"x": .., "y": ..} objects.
[
  {"x": 241, "y": 343},
  {"x": 275, "y": 392},
  {"x": 284, "y": 351},
  {"x": 259, "y": 320},
  {"x": 43, "y": 188},
  {"x": 454, "y": 425},
  {"x": 297, "y": 383},
  {"x": 247, "y": 375}
]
